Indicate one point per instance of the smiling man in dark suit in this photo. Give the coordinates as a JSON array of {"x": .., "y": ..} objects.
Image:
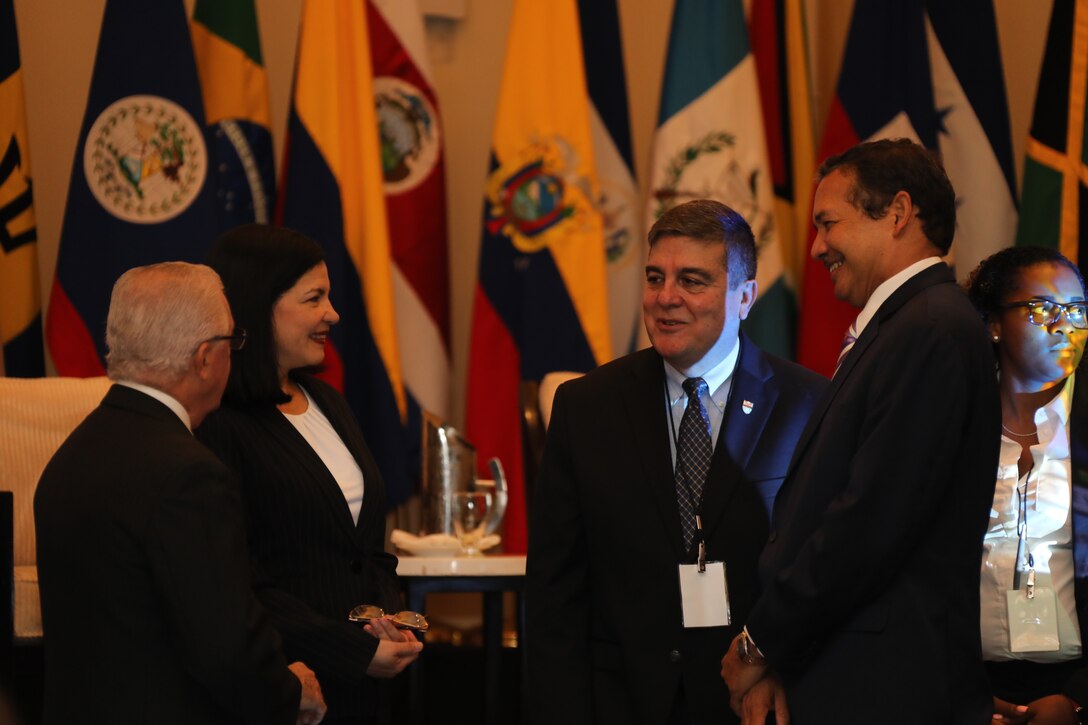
[
  {"x": 655, "y": 490},
  {"x": 870, "y": 605},
  {"x": 145, "y": 585}
]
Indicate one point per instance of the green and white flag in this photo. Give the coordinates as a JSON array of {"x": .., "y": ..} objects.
[{"x": 710, "y": 144}]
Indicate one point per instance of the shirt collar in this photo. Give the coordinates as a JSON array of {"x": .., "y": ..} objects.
[
  {"x": 885, "y": 289},
  {"x": 165, "y": 398},
  {"x": 714, "y": 373}
]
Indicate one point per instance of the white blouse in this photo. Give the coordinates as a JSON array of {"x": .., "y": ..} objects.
[{"x": 1049, "y": 534}]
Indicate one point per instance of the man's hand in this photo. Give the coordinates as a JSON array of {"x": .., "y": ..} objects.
[
  {"x": 397, "y": 648},
  {"x": 1052, "y": 710},
  {"x": 739, "y": 677},
  {"x": 1006, "y": 713},
  {"x": 311, "y": 707},
  {"x": 765, "y": 696}
]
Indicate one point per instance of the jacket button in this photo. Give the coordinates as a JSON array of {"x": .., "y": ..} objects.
[
  {"x": 674, "y": 656},
  {"x": 356, "y": 566},
  {"x": 773, "y": 535}
]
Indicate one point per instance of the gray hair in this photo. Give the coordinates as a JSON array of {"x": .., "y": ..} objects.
[{"x": 159, "y": 315}]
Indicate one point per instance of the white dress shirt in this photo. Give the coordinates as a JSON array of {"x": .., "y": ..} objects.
[
  {"x": 885, "y": 289},
  {"x": 719, "y": 379},
  {"x": 1049, "y": 534}
]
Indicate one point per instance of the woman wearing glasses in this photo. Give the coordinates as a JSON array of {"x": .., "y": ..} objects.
[
  {"x": 1034, "y": 613},
  {"x": 313, "y": 494}
]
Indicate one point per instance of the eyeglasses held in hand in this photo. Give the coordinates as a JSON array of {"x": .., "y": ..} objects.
[
  {"x": 1048, "y": 312},
  {"x": 237, "y": 339},
  {"x": 403, "y": 620}
]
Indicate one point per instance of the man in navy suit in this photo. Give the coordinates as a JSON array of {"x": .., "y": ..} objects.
[
  {"x": 145, "y": 587},
  {"x": 655, "y": 490},
  {"x": 870, "y": 606}
]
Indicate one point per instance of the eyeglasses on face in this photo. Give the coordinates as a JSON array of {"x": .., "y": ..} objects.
[
  {"x": 1048, "y": 312},
  {"x": 403, "y": 620},
  {"x": 237, "y": 339}
]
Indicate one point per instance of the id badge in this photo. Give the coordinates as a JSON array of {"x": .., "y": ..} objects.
[
  {"x": 1033, "y": 623},
  {"x": 704, "y": 596}
]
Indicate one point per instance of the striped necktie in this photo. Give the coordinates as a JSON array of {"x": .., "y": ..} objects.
[
  {"x": 847, "y": 345},
  {"x": 693, "y": 452}
]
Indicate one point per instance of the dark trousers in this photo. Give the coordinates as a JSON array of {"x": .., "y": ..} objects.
[{"x": 1021, "y": 682}]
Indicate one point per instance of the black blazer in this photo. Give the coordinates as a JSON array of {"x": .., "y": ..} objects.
[
  {"x": 604, "y": 633},
  {"x": 312, "y": 563},
  {"x": 871, "y": 573},
  {"x": 146, "y": 601}
]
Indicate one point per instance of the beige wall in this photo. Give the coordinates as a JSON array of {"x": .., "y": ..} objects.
[{"x": 58, "y": 40}]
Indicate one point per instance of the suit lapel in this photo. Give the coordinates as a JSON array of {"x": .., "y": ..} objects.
[
  {"x": 753, "y": 390},
  {"x": 644, "y": 402},
  {"x": 288, "y": 437}
]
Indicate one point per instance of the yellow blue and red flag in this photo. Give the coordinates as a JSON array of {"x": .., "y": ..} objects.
[
  {"x": 232, "y": 76},
  {"x": 21, "y": 309},
  {"x": 332, "y": 189},
  {"x": 141, "y": 187},
  {"x": 950, "y": 97},
  {"x": 1055, "y": 196},
  {"x": 541, "y": 300}
]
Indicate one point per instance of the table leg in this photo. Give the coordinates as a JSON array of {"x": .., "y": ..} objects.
[
  {"x": 417, "y": 599},
  {"x": 492, "y": 656}
]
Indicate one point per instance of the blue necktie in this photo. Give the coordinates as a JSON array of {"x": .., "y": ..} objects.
[{"x": 693, "y": 452}]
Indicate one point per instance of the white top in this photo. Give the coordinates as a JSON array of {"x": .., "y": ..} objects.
[
  {"x": 323, "y": 438},
  {"x": 719, "y": 379},
  {"x": 165, "y": 398},
  {"x": 885, "y": 289},
  {"x": 1049, "y": 534}
]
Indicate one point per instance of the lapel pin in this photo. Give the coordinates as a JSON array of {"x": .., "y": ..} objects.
[{"x": 747, "y": 406}]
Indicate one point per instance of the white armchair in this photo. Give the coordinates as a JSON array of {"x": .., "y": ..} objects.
[{"x": 36, "y": 415}]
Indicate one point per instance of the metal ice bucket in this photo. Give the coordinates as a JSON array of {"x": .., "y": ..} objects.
[{"x": 449, "y": 466}]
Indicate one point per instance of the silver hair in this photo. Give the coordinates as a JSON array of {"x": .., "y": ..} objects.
[{"x": 159, "y": 315}]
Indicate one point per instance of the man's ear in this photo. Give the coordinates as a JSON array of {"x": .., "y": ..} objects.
[
  {"x": 199, "y": 363},
  {"x": 748, "y": 292},
  {"x": 900, "y": 211}
]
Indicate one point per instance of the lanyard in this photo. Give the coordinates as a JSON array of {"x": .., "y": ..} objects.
[{"x": 1022, "y": 533}]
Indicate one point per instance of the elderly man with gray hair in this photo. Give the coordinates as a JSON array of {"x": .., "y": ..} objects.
[{"x": 145, "y": 587}]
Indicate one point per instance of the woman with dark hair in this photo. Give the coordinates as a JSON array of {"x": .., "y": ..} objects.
[
  {"x": 1035, "y": 552},
  {"x": 313, "y": 494}
]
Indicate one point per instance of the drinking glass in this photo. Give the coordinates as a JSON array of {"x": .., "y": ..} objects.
[{"x": 469, "y": 517}]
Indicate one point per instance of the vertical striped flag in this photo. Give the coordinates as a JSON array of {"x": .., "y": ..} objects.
[
  {"x": 232, "y": 77},
  {"x": 140, "y": 190},
  {"x": 541, "y": 300},
  {"x": 949, "y": 95},
  {"x": 332, "y": 190},
  {"x": 20, "y": 311},
  {"x": 777, "y": 30},
  {"x": 1056, "y": 165},
  {"x": 413, "y": 172},
  {"x": 619, "y": 196},
  {"x": 710, "y": 144}
]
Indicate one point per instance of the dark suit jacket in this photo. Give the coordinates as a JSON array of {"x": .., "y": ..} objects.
[
  {"x": 145, "y": 588},
  {"x": 313, "y": 564},
  {"x": 871, "y": 572},
  {"x": 604, "y": 633}
]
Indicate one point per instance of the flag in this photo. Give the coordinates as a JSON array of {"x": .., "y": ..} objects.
[
  {"x": 140, "y": 190},
  {"x": 949, "y": 95},
  {"x": 619, "y": 196},
  {"x": 1056, "y": 164},
  {"x": 710, "y": 143},
  {"x": 232, "y": 77},
  {"x": 332, "y": 190},
  {"x": 413, "y": 172},
  {"x": 777, "y": 30},
  {"x": 541, "y": 303},
  {"x": 20, "y": 313}
]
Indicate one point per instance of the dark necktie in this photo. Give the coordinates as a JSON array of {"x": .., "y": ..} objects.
[{"x": 693, "y": 452}]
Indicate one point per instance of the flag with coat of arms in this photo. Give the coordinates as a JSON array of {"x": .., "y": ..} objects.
[
  {"x": 541, "y": 300},
  {"x": 710, "y": 144},
  {"x": 140, "y": 190}
]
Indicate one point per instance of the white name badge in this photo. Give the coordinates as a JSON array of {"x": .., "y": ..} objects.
[
  {"x": 704, "y": 596},
  {"x": 1033, "y": 623}
]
